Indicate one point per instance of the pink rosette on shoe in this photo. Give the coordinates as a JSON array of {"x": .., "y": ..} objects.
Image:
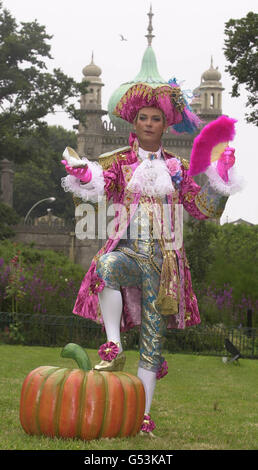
[
  {"x": 108, "y": 351},
  {"x": 148, "y": 424},
  {"x": 162, "y": 371}
]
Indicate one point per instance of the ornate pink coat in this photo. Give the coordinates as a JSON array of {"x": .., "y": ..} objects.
[{"x": 201, "y": 203}]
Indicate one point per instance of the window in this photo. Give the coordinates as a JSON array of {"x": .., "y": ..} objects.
[{"x": 212, "y": 101}]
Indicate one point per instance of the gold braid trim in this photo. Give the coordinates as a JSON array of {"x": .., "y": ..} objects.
[
  {"x": 167, "y": 304},
  {"x": 207, "y": 206},
  {"x": 77, "y": 201},
  {"x": 168, "y": 295},
  {"x": 143, "y": 89},
  {"x": 169, "y": 291},
  {"x": 107, "y": 159},
  {"x": 185, "y": 163}
]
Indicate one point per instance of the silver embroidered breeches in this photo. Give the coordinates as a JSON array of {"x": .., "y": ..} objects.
[{"x": 138, "y": 263}]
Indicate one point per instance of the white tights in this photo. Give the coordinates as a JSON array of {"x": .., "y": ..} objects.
[
  {"x": 111, "y": 304},
  {"x": 148, "y": 378}
]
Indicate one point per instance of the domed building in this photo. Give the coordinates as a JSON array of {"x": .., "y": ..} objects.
[
  {"x": 100, "y": 135},
  {"x": 89, "y": 134},
  {"x": 207, "y": 101},
  {"x": 148, "y": 74}
]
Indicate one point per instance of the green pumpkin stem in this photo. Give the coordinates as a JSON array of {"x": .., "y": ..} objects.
[{"x": 74, "y": 351}]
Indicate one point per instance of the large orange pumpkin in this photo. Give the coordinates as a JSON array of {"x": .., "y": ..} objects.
[{"x": 81, "y": 403}]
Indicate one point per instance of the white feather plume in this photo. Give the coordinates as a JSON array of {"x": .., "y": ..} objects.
[{"x": 235, "y": 183}]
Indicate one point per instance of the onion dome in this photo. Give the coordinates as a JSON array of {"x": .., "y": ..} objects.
[
  {"x": 149, "y": 74},
  {"x": 91, "y": 71},
  {"x": 211, "y": 74}
]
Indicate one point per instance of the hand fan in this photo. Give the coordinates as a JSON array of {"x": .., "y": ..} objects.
[{"x": 210, "y": 144}]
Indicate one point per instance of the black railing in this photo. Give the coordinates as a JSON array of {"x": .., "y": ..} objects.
[
  {"x": 51, "y": 330},
  {"x": 211, "y": 340}
]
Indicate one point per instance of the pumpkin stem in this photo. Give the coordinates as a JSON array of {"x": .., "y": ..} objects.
[{"x": 74, "y": 351}]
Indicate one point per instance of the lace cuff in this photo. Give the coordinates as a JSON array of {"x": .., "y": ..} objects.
[
  {"x": 91, "y": 191},
  {"x": 234, "y": 184},
  {"x": 210, "y": 202}
]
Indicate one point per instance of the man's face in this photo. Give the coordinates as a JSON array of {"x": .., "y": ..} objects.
[{"x": 149, "y": 126}]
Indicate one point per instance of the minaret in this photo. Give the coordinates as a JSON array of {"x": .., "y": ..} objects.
[
  {"x": 89, "y": 133},
  {"x": 150, "y": 36},
  {"x": 208, "y": 96},
  {"x": 149, "y": 70},
  {"x": 148, "y": 73},
  {"x": 92, "y": 100}
]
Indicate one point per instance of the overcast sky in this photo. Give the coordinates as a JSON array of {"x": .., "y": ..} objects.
[{"x": 187, "y": 34}]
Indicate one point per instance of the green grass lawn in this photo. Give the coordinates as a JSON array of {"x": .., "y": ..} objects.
[{"x": 202, "y": 404}]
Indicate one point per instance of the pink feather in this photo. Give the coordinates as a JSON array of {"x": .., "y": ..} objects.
[{"x": 220, "y": 130}]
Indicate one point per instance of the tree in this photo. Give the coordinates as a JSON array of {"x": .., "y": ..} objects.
[
  {"x": 28, "y": 92},
  {"x": 8, "y": 217},
  {"x": 236, "y": 260},
  {"x": 241, "y": 51},
  {"x": 42, "y": 174},
  {"x": 198, "y": 240}
]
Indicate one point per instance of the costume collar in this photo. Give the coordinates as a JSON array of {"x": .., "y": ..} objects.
[
  {"x": 143, "y": 154},
  {"x": 139, "y": 152}
]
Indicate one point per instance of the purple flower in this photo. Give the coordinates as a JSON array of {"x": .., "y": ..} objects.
[
  {"x": 108, "y": 351},
  {"x": 162, "y": 371},
  {"x": 177, "y": 178},
  {"x": 148, "y": 424},
  {"x": 97, "y": 284}
]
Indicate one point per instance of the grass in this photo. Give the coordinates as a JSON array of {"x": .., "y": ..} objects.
[{"x": 202, "y": 404}]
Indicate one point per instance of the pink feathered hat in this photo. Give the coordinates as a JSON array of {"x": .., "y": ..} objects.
[{"x": 167, "y": 97}]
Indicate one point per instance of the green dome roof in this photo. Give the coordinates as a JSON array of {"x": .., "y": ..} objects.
[{"x": 149, "y": 73}]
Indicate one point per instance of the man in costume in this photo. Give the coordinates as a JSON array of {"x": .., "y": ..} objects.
[{"x": 144, "y": 280}]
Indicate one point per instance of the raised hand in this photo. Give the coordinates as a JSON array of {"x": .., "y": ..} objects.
[
  {"x": 83, "y": 174},
  {"x": 225, "y": 162}
]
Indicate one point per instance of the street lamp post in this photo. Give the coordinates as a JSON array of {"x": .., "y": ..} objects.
[{"x": 49, "y": 199}]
